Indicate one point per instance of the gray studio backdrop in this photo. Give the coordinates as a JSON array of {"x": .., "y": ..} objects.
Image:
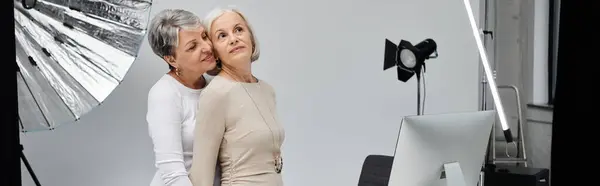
[{"x": 325, "y": 60}]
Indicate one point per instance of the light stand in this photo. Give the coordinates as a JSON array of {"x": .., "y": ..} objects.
[
  {"x": 410, "y": 60},
  {"x": 9, "y": 130},
  {"x": 29, "y": 169},
  {"x": 487, "y": 166},
  {"x": 484, "y": 85}
]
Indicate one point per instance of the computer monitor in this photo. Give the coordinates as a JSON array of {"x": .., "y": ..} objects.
[{"x": 430, "y": 148}]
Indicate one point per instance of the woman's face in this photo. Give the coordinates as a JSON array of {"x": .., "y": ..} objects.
[
  {"x": 232, "y": 39},
  {"x": 193, "y": 54}
]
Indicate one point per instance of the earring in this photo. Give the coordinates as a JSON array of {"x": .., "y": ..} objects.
[{"x": 177, "y": 72}]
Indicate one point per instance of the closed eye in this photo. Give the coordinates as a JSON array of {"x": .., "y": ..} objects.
[{"x": 192, "y": 47}]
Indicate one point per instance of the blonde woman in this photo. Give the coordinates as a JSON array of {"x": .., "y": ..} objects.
[{"x": 237, "y": 125}]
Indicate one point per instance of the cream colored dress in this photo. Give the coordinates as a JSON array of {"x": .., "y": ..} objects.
[{"x": 237, "y": 126}]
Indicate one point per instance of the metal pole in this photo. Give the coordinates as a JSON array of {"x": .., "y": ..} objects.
[
  {"x": 9, "y": 129},
  {"x": 419, "y": 96},
  {"x": 483, "y": 101},
  {"x": 29, "y": 169}
]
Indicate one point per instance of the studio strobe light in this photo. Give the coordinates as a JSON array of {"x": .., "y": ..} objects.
[{"x": 409, "y": 61}]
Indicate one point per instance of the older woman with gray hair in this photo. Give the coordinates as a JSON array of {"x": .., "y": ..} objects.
[
  {"x": 237, "y": 125},
  {"x": 178, "y": 38}
]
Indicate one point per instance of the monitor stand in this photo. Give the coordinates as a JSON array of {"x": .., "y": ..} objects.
[{"x": 453, "y": 174}]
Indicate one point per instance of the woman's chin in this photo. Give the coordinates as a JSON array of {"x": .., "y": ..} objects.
[
  {"x": 242, "y": 56},
  {"x": 212, "y": 65}
]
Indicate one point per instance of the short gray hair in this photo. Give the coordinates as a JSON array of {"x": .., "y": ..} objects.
[
  {"x": 217, "y": 12},
  {"x": 163, "y": 32}
]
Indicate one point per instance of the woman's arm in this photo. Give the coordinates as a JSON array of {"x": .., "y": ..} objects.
[
  {"x": 164, "y": 119},
  {"x": 210, "y": 127}
]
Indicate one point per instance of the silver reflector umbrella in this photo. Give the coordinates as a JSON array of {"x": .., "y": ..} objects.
[{"x": 72, "y": 54}]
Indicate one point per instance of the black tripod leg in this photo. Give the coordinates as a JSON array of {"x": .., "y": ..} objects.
[{"x": 29, "y": 169}]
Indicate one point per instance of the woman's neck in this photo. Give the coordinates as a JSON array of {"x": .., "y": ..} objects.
[
  {"x": 196, "y": 82},
  {"x": 239, "y": 73}
]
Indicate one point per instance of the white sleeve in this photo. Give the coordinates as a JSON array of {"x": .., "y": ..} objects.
[{"x": 164, "y": 119}]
